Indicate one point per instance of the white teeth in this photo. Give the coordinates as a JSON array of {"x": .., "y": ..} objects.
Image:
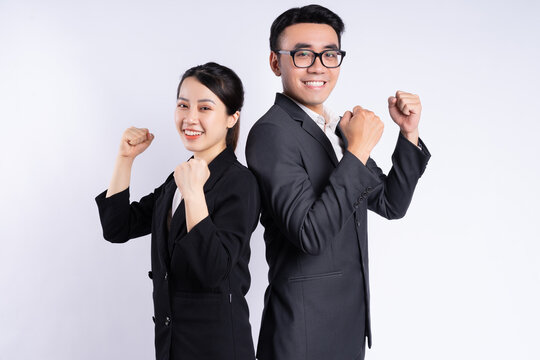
[
  {"x": 192, "y": 133},
  {"x": 314, "y": 83}
]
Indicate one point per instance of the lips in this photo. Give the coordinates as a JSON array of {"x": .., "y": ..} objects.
[
  {"x": 191, "y": 134},
  {"x": 314, "y": 83}
]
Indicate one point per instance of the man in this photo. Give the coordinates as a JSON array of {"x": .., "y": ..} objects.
[{"x": 317, "y": 182}]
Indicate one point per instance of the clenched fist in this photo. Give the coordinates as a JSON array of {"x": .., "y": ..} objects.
[
  {"x": 191, "y": 176},
  {"x": 363, "y": 129},
  {"x": 405, "y": 109},
  {"x": 134, "y": 141}
]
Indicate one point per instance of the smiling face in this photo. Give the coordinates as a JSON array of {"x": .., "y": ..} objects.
[
  {"x": 309, "y": 86},
  {"x": 201, "y": 120}
]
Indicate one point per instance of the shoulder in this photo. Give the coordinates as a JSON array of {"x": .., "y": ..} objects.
[
  {"x": 239, "y": 176},
  {"x": 237, "y": 187},
  {"x": 276, "y": 128},
  {"x": 275, "y": 118}
]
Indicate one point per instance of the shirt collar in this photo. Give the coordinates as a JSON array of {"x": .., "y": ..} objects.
[{"x": 328, "y": 118}]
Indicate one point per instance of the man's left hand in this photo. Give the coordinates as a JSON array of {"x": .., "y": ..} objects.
[{"x": 405, "y": 109}]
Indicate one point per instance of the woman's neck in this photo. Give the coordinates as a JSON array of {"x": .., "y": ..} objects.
[{"x": 210, "y": 154}]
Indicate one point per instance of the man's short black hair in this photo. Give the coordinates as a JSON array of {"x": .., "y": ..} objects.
[{"x": 306, "y": 14}]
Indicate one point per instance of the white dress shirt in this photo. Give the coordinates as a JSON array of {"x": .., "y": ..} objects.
[
  {"x": 177, "y": 199},
  {"x": 328, "y": 123}
]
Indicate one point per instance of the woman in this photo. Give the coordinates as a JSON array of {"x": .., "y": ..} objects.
[{"x": 201, "y": 219}]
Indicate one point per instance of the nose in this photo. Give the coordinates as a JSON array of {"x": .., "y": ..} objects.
[
  {"x": 317, "y": 67},
  {"x": 191, "y": 117}
]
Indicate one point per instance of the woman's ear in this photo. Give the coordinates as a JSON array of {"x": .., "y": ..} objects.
[
  {"x": 274, "y": 63},
  {"x": 232, "y": 119}
]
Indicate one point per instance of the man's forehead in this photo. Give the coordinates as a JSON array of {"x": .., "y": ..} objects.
[
  {"x": 302, "y": 45},
  {"x": 309, "y": 35}
]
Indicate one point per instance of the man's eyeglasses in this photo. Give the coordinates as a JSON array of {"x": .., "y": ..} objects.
[{"x": 306, "y": 58}]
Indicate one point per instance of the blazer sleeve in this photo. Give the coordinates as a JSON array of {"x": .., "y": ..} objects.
[
  {"x": 212, "y": 247},
  {"x": 308, "y": 219},
  {"x": 122, "y": 221},
  {"x": 392, "y": 197}
]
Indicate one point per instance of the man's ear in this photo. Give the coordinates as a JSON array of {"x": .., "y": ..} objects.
[
  {"x": 231, "y": 121},
  {"x": 274, "y": 63}
]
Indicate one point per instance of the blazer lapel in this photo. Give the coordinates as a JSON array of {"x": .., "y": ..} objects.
[
  {"x": 178, "y": 225},
  {"x": 218, "y": 166},
  {"x": 340, "y": 134},
  {"x": 163, "y": 205},
  {"x": 307, "y": 124}
]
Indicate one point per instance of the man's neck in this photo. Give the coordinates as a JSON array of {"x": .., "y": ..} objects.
[{"x": 319, "y": 108}]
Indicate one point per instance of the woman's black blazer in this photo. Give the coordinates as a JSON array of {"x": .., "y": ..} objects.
[{"x": 200, "y": 278}]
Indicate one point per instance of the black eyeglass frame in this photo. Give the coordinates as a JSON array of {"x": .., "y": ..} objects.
[{"x": 317, "y": 55}]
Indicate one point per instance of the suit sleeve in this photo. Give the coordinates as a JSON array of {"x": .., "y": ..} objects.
[
  {"x": 122, "y": 221},
  {"x": 308, "y": 219},
  {"x": 213, "y": 245},
  {"x": 392, "y": 197}
]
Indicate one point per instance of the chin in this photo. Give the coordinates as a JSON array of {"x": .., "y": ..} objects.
[
  {"x": 314, "y": 101},
  {"x": 314, "y": 98},
  {"x": 189, "y": 146}
]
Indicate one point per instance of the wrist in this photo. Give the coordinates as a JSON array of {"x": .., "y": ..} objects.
[
  {"x": 412, "y": 136},
  {"x": 194, "y": 195},
  {"x": 125, "y": 159},
  {"x": 124, "y": 163},
  {"x": 360, "y": 153}
]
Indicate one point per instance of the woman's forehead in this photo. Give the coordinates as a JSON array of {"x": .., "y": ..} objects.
[{"x": 193, "y": 90}]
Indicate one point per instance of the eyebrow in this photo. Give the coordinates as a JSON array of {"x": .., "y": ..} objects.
[
  {"x": 306, "y": 45},
  {"x": 200, "y": 100}
]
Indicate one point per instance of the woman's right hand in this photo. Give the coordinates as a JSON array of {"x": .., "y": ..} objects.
[{"x": 134, "y": 141}]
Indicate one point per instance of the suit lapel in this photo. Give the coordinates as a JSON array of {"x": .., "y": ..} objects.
[
  {"x": 163, "y": 205},
  {"x": 218, "y": 166},
  {"x": 340, "y": 134},
  {"x": 178, "y": 225},
  {"x": 307, "y": 124}
]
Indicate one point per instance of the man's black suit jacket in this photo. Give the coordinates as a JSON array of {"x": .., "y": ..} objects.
[
  {"x": 200, "y": 278},
  {"x": 314, "y": 210}
]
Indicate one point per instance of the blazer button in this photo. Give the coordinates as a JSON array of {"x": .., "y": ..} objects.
[
  {"x": 358, "y": 223},
  {"x": 369, "y": 188},
  {"x": 166, "y": 276},
  {"x": 150, "y": 275},
  {"x": 167, "y": 321}
]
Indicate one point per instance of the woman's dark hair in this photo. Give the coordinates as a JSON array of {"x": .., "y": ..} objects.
[
  {"x": 306, "y": 14},
  {"x": 226, "y": 85}
]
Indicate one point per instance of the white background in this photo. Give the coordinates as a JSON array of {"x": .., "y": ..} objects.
[{"x": 457, "y": 278}]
